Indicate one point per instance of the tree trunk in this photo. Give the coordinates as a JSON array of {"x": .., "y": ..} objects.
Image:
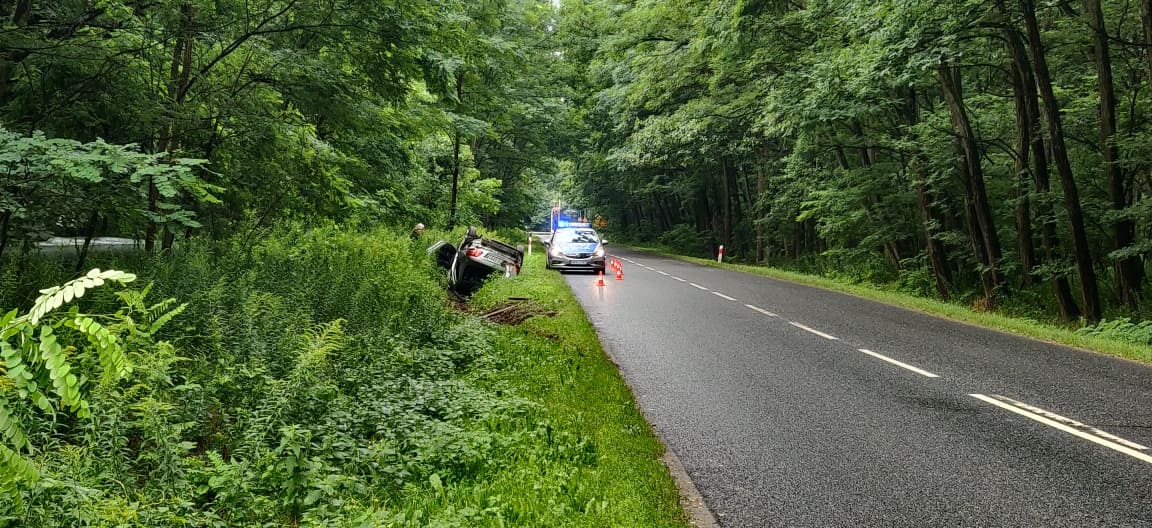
[
  {"x": 867, "y": 159},
  {"x": 726, "y": 189},
  {"x": 4, "y": 222},
  {"x": 985, "y": 239},
  {"x": 456, "y": 154},
  {"x": 9, "y": 58},
  {"x": 758, "y": 215},
  {"x": 181, "y": 96},
  {"x": 1129, "y": 271},
  {"x": 672, "y": 205},
  {"x": 89, "y": 234},
  {"x": 1090, "y": 295},
  {"x": 1025, "y": 91},
  {"x": 935, "y": 250},
  {"x": 1146, "y": 24},
  {"x": 746, "y": 203},
  {"x": 702, "y": 209},
  {"x": 1024, "y": 240},
  {"x": 178, "y": 79}
]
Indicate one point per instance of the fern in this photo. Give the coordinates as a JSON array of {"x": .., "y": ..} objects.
[
  {"x": 152, "y": 318},
  {"x": 1122, "y": 329},
  {"x": 324, "y": 339},
  {"x": 316, "y": 345}
]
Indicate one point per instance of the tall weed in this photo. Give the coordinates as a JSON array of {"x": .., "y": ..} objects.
[{"x": 316, "y": 377}]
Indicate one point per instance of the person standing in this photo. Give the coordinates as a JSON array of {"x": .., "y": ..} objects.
[{"x": 417, "y": 231}]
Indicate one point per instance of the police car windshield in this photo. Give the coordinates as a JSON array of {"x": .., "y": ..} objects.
[{"x": 577, "y": 236}]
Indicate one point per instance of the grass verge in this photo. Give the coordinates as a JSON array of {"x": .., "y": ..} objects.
[{"x": 557, "y": 361}]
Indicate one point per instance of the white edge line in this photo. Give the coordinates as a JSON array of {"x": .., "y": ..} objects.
[
  {"x": 1057, "y": 425},
  {"x": 761, "y": 310},
  {"x": 677, "y": 278},
  {"x": 722, "y": 296},
  {"x": 694, "y": 285},
  {"x": 814, "y": 331},
  {"x": 663, "y": 273},
  {"x": 1073, "y": 423},
  {"x": 900, "y": 364}
]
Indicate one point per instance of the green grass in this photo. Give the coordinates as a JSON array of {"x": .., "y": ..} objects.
[
  {"x": 557, "y": 361},
  {"x": 993, "y": 320}
]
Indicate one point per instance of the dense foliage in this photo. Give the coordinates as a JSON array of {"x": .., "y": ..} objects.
[
  {"x": 439, "y": 111},
  {"x": 993, "y": 151},
  {"x": 316, "y": 378}
]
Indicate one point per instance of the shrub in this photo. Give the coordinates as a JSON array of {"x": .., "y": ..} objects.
[
  {"x": 311, "y": 377},
  {"x": 1122, "y": 329}
]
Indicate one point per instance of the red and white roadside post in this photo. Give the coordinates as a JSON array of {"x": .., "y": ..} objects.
[{"x": 720, "y": 255}]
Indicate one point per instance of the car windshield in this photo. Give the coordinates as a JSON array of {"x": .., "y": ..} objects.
[{"x": 577, "y": 236}]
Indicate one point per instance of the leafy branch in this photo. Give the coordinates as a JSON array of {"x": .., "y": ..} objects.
[{"x": 42, "y": 365}]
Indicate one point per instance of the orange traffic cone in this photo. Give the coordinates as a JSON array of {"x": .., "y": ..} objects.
[
  {"x": 600, "y": 281},
  {"x": 619, "y": 274}
]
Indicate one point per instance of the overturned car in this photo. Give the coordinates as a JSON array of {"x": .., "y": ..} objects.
[{"x": 475, "y": 259}]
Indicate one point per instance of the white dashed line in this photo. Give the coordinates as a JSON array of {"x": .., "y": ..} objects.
[
  {"x": 697, "y": 286},
  {"x": 1054, "y": 420},
  {"x": 663, "y": 273},
  {"x": 722, "y": 296},
  {"x": 677, "y": 278},
  {"x": 900, "y": 364},
  {"x": 817, "y": 332},
  {"x": 761, "y": 310}
]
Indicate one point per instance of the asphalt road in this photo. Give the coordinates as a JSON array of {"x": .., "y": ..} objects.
[{"x": 796, "y": 406}]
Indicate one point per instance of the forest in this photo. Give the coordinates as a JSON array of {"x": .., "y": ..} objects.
[
  {"x": 993, "y": 152},
  {"x": 278, "y": 352},
  {"x": 184, "y": 118}
]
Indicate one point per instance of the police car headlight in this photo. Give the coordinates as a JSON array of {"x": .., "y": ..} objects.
[
  {"x": 598, "y": 253},
  {"x": 555, "y": 252}
]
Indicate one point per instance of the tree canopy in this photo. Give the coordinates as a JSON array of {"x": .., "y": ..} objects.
[
  {"x": 338, "y": 109},
  {"x": 992, "y": 151},
  {"x": 984, "y": 150}
]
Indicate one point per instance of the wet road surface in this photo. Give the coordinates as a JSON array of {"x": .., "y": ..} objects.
[{"x": 795, "y": 406}]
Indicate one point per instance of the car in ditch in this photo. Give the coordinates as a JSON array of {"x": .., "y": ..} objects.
[
  {"x": 576, "y": 249},
  {"x": 475, "y": 259}
]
